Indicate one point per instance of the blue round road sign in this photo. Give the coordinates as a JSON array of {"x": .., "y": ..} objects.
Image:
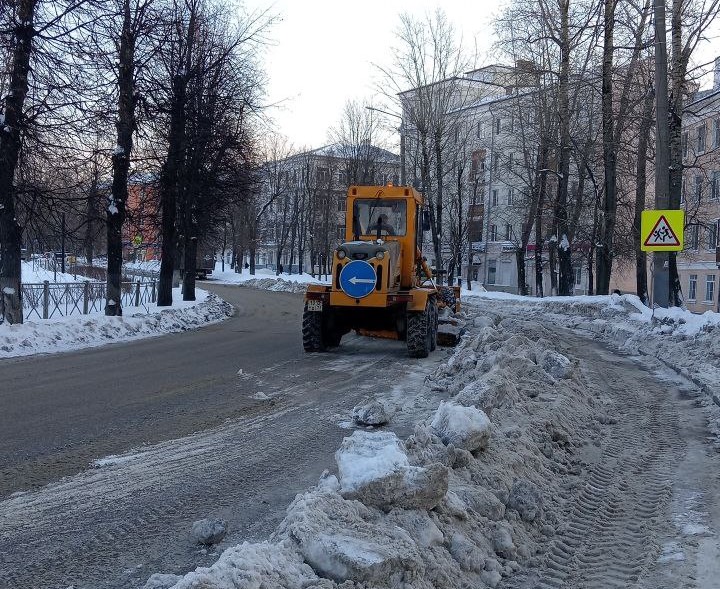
[{"x": 357, "y": 279}]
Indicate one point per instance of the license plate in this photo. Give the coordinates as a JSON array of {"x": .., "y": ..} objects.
[{"x": 314, "y": 306}]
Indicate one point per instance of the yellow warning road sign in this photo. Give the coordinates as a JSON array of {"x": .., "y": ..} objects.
[{"x": 662, "y": 230}]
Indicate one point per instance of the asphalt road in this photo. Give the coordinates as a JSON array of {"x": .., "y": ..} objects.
[
  {"x": 61, "y": 411},
  {"x": 195, "y": 438}
]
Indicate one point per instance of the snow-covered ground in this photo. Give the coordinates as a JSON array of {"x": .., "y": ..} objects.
[
  {"x": 542, "y": 446},
  {"x": 32, "y": 273},
  {"x": 85, "y": 331},
  {"x": 265, "y": 279}
]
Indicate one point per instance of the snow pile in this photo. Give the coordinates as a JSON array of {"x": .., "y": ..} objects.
[
  {"x": 449, "y": 506},
  {"x": 208, "y": 531},
  {"x": 85, "y": 331},
  {"x": 265, "y": 279},
  {"x": 374, "y": 413},
  {"x": 463, "y": 427}
]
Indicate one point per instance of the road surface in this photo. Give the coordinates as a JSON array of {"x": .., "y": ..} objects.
[{"x": 209, "y": 442}]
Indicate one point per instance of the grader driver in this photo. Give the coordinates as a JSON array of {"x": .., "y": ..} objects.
[{"x": 381, "y": 286}]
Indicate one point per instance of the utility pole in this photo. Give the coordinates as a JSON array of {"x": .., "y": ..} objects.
[
  {"x": 661, "y": 273},
  {"x": 62, "y": 245}
]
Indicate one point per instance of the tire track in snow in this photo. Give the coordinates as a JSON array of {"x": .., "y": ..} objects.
[
  {"x": 607, "y": 539},
  {"x": 94, "y": 529}
]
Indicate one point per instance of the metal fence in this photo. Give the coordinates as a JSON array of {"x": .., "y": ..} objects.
[{"x": 62, "y": 299}]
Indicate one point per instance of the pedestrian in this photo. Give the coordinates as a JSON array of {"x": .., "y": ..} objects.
[{"x": 280, "y": 268}]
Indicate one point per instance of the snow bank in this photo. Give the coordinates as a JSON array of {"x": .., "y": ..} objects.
[
  {"x": 425, "y": 512},
  {"x": 85, "y": 331},
  {"x": 265, "y": 279}
]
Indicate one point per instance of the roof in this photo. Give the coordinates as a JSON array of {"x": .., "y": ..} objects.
[{"x": 340, "y": 151}]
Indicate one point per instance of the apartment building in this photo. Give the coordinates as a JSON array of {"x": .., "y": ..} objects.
[
  {"x": 306, "y": 220},
  {"x": 493, "y": 135},
  {"x": 698, "y": 263}
]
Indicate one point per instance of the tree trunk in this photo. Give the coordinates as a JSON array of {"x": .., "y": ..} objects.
[
  {"x": 121, "y": 165},
  {"x": 640, "y": 190},
  {"x": 678, "y": 75},
  {"x": 190, "y": 265},
  {"x": 607, "y": 224},
  {"x": 564, "y": 246},
  {"x": 10, "y": 133},
  {"x": 539, "y": 282},
  {"x": 251, "y": 255}
]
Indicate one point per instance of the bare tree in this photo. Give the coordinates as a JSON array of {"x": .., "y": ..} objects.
[{"x": 427, "y": 76}]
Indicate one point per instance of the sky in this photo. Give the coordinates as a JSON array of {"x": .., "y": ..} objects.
[{"x": 324, "y": 51}]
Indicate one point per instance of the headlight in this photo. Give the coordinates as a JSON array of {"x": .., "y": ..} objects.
[
  {"x": 380, "y": 255},
  {"x": 341, "y": 254}
]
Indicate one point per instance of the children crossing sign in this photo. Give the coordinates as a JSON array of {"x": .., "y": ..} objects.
[{"x": 662, "y": 230}]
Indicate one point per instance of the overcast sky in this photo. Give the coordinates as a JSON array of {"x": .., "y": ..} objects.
[{"x": 325, "y": 50}]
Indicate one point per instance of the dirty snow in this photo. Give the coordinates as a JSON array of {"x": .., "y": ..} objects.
[
  {"x": 265, "y": 279},
  {"x": 499, "y": 499},
  {"x": 85, "y": 331}
]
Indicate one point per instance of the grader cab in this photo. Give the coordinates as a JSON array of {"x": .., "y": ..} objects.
[{"x": 381, "y": 286}]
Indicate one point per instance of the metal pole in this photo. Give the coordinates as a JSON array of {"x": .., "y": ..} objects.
[
  {"x": 62, "y": 247},
  {"x": 403, "y": 173},
  {"x": 486, "y": 212},
  {"x": 661, "y": 279}
]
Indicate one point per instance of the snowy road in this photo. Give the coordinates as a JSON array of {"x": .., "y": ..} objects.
[
  {"x": 619, "y": 450},
  {"x": 262, "y": 436}
]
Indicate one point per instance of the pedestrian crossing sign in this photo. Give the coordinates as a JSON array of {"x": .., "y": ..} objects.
[{"x": 662, "y": 230}]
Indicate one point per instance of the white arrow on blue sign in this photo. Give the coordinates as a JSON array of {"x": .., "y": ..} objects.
[{"x": 357, "y": 279}]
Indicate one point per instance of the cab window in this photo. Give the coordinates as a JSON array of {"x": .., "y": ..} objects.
[{"x": 389, "y": 215}]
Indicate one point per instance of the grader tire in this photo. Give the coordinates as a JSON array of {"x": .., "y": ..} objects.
[
  {"x": 312, "y": 331},
  {"x": 420, "y": 332}
]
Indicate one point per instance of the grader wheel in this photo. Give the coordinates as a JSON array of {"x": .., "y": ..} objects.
[
  {"x": 420, "y": 332},
  {"x": 312, "y": 331}
]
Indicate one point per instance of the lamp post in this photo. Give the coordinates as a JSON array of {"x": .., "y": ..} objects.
[{"x": 401, "y": 129}]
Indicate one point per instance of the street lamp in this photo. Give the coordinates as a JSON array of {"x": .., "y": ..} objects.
[{"x": 402, "y": 140}]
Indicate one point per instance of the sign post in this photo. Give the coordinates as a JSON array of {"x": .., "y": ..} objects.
[{"x": 662, "y": 230}]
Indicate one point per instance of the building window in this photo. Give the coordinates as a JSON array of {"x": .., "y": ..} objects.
[
  {"x": 701, "y": 138},
  {"x": 492, "y": 271},
  {"x": 716, "y": 133},
  {"x": 323, "y": 175},
  {"x": 496, "y": 162},
  {"x": 341, "y": 232},
  {"x": 341, "y": 204},
  {"x": 692, "y": 289},
  {"x": 578, "y": 276},
  {"x": 511, "y": 196},
  {"x": 508, "y": 232},
  {"x": 493, "y": 232},
  {"x": 511, "y": 161},
  {"x": 710, "y": 288},
  {"x": 712, "y": 236},
  {"x": 715, "y": 185},
  {"x": 478, "y": 130},
  {"x": 685, "y": 144},
  {"x": 698, "y": 187},
  {"x": 342, "y": 180},
  {"x": 692, "y": 237},
  {"x": 494, "y": 199},
  {"x": 498, "y": 126}
]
